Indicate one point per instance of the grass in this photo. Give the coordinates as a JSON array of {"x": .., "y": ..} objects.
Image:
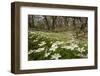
[{"x": 62, "y": 36}]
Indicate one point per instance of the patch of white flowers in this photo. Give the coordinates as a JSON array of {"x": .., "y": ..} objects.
[
  {"x": 56, "y": 56},
  {"x": 35, "y": 40},
  {"x": 59, "y": 42},
  {"x": 31, "y": 51},
  {"x": 72, "y": 46},
  {"x": 40, "y": 49},
  {"x": 37, "y": 50},
  {"x": 54, "y": 46},
  {"x": 47, "y": 54},
  {"x": 42, "y": 43},
  {"x": 81, "y": 49}
]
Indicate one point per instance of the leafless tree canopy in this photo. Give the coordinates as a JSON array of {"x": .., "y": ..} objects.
[{"x": 58, "y": 23}]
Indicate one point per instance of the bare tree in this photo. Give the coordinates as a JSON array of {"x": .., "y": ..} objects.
[
  {"x": 31, "y": 21},
  {"x": 47, "y": 23},
  {"x": 53, "y": 21}
]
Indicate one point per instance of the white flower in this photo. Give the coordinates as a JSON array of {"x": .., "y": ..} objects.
[
  {"x": 74, "y": 45},
  {"x": 81, "y": 55},
  {"x": 55, "y": 56},
  {"x": 40, "y": 49},
  {"x": 81, "y": 49},
  {"x": 51, "y": 42},
  {"x": 59, "y": 42},
  {"x": 31, "y": 51},
  {"x": 42, "y": 43},
  {"x": 35, "y": 40},
  {"x": 53, "y": 48},
  {"x": 68, "y": 47},
  {"x": 46, "y": 54},
  {"x": 85, "y": 44},
  {"x": 72, "y": 48},
  {"x": 54, "y": 45}
]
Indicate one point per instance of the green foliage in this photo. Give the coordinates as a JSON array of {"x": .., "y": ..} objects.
[{"x": 46, "y": 46}]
